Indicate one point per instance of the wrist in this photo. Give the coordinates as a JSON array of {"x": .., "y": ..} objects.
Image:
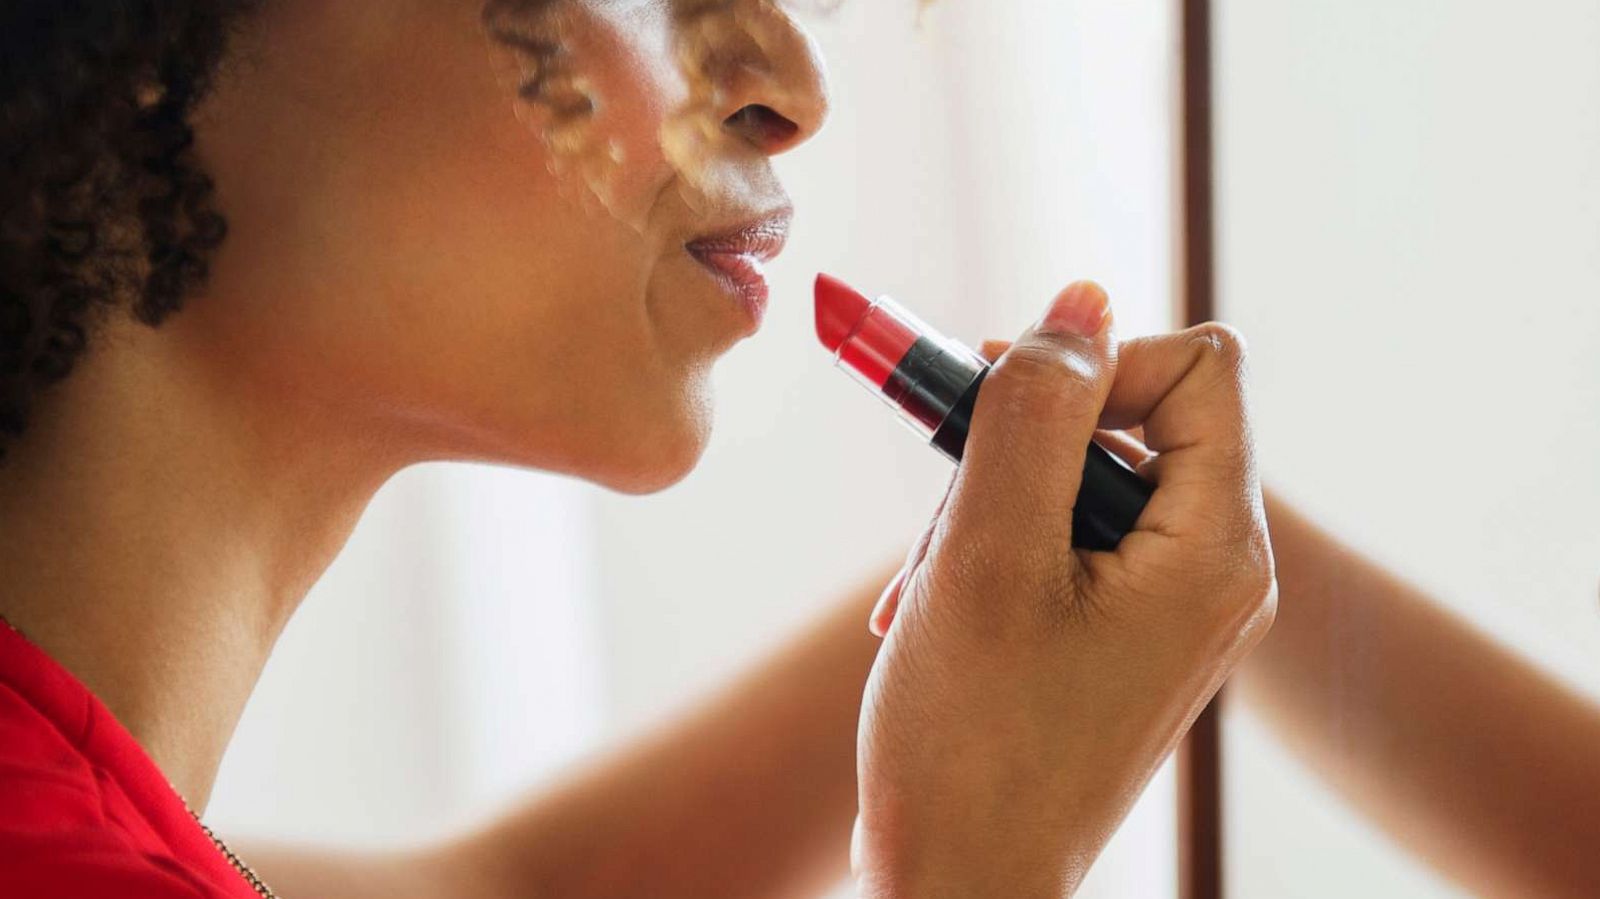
[
  {"x": 979, "y": 879},
  {"x": 1004, "y": 863}
]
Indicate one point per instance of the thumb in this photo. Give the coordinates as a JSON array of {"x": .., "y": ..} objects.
[{"x": 1031, "y": 427}]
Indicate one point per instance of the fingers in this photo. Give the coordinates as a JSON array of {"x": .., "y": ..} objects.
[
  {"x": 1188, "y": 391},
  {"x": 888, "y": 603},
  {"x": 883, "y": 611},
  {"x": 1031, "y": 427},
  {"x": 1126, "y": 446},
  {"x": 992, "y": 350}
]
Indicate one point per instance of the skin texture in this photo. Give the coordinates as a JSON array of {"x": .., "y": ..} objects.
[
  {"x": 403, "y": 255},
  {"x": 1034, "y": 664},
  {"x": 751, "y": 793},
  {"x": 421, "y": 267},
  {"x": 977, "y": 721},
  {"x": 1469, "y": 756},
  {"x": 405, "y": 279}
]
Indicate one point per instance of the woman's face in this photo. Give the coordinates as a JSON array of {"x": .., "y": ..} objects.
[{"x": 519, "y": 232}]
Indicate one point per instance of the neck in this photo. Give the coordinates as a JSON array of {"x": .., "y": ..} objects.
[{"x": 156, "y": 534}]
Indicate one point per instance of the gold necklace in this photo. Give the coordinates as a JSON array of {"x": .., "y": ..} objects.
[
  {"x": 256, "y": 883},
  {"x": 249, "y": 875}
]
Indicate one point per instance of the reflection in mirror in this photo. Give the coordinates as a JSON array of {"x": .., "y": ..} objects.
[{"x": 1410, "y": 237}]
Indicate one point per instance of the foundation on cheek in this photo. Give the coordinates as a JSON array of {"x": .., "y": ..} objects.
[
  {"x": 537, "y": 47},
  {"x": 536, "y": 50}
]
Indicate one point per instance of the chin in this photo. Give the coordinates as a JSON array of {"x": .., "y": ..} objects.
[
  {"x": 653, "y": 467},
  {"x": 655, "y": 453},
  {"x": 634, "y": 435}
]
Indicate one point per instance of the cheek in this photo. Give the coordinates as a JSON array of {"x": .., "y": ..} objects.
[
  {"x": 520, "y": 319},
  {"x": 522, "y": 306},
  {"x": 479, "y": 220},
  {"x": 594, "y": 90},
  {"x": 412, "y": 251}
]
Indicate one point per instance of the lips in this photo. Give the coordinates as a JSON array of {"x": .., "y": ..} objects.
[{"x": 737, "y": 258}]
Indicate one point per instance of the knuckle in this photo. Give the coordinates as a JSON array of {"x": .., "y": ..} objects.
[
  {"x": 1257, "y": 610},
  {"x": 1221, "y": 346},
  {"x": 1240, "y": 582},
  {"x": 1253, "y": 589},
  {"x": 1267, "y": 607},
  {"x": 1256, "y": 578},
  {"x": 1034, "y": 375}
]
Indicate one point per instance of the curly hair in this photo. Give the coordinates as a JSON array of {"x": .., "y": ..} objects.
[{"x": 102, "y": 202}]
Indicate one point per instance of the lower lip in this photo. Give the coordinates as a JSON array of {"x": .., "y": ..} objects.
[{"x": 742, "y": 275}]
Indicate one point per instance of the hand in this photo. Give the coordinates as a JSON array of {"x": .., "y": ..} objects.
[{"x": 1027, "y": 691}]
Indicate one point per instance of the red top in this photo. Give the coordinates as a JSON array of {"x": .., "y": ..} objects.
[{"x": 84, "y": 812}]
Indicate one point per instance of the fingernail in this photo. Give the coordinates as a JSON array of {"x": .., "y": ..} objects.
[
  {"x": 1080, "y": 310},
  {"x": 992, "y": 349},
  {"x": 874, "y": 625}
]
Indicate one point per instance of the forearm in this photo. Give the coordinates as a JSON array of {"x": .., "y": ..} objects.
[
  {"x": 751, "y": 795},
  {"x": 1462, "y": 751}
]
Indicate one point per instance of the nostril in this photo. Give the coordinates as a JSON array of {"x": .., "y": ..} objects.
[{"x": 764, "y": 127}]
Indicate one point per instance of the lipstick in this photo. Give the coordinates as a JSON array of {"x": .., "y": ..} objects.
[{"x": 932, "y": 384}]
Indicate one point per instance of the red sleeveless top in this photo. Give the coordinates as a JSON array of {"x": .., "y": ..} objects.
[{"x": 84, "y": 812}]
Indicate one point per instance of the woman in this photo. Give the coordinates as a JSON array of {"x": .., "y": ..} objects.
[
  {"x": 379, "y": 263},
  {"x": 411, "y": 271}
]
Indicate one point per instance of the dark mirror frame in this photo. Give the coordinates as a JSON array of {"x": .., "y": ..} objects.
[{"x": 1200, "y": 846}]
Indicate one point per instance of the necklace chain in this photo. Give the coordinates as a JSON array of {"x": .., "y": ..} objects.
[{"x": 245, "y": 871}]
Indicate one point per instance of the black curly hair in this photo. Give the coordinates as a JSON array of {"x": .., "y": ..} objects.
[{"x": 102, "y": 202}]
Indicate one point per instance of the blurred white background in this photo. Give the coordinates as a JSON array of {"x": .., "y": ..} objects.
[
  {"x": 485, "y": 628},
  {"x": 1409, "y": 200}
]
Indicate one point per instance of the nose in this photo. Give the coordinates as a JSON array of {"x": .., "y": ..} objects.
[{"x": 776, "y": 96}]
